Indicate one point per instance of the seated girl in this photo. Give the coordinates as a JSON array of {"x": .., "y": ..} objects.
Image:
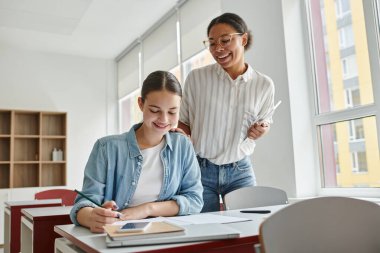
[{"x": 146, "y": 172}]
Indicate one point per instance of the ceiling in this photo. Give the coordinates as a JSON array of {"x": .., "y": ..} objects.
[{"x": 91, "y": 28}]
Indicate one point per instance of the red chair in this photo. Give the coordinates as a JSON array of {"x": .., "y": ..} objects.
[{"x": 67, "y": 196}]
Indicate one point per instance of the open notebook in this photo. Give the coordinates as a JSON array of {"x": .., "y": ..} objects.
[{"x": 192, "y": 233}]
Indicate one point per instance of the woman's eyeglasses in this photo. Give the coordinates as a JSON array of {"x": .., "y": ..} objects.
[{"x": 223, "y": 41}]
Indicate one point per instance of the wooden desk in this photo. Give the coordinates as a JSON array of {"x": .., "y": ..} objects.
[
  {"x": 12, "y": 220},
  {"x": 37, "y": 227},
  {"x": 80, "y": 237}
]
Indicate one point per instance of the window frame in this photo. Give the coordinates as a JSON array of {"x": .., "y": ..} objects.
[{"x": 371, "y": 10}]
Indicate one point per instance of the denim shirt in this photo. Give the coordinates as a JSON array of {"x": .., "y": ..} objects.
[{"x": 114, "y": 167}]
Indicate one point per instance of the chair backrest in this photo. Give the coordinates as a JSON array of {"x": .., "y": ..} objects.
[
  {"x": 323, "y": 225},
  {"x": 67, "y": 196},
  {"x": 255, "y": 196}
]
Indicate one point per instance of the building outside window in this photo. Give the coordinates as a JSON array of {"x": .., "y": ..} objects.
[{"x": 346, "y": 113}]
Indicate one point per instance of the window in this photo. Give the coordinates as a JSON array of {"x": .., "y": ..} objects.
[
  {"x": 347, "y": 106},
  {"x": 352, "y": 97},
  {"x": 176, "y": 36},
  {"x": 201, "y": 59},
  {"x": 349, "y": 67},
  {"x": 346, "y": 148},
  {"x": 359, "y": 162},
  {"x": 346, "y": 37},
  {"x": 356, "y": 130},
  {"x": 342, "y": 8},
  {"x": 130, "y": 112}
]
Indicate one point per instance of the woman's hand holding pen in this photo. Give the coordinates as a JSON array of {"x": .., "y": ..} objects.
[{"x": 258, "y": 129}]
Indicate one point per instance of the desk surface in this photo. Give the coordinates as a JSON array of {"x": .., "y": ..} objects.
[
  {"x": 13, "y": 220},
  {"x": 89, "y": 242},
  {"x": 35, "y": 202},
  {"x": 46, "y": 212},
  {"x": 37, "y": 227}
]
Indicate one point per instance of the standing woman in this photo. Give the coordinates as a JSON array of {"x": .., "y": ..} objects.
[{"x": 220, "y": 104}]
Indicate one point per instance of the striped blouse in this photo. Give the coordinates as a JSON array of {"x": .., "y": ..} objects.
[{"x": 218, "y": 110}]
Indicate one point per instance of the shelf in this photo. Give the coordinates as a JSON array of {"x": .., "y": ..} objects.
[
  {"x": 26, "y": 162},
  {"x": 51, "y": 162},
  {"x": 5, "y": 122},
  {"x": 25, "y": 175},
  {"x": 27, "y": 139},
  {"x": 4, "y": 175},
  {"x": 53, "y": 124},
  {"x": 48, "y": 145},
  {"x": 53, "y": 174},
  {"x": 26, "y": 149},
  {"x": 53, "y": 137},
  {"x": 5, "y": 144},
  {"x": 27, "y": 136},
  {"x": 27, "y": 123}
]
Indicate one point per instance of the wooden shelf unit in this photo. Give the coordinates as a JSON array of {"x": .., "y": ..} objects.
[{"x": 27, "y": 139}]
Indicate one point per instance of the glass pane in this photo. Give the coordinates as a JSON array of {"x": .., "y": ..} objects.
[
  {"x": 130, "y": 112},
  {"x": 341, "y": 55},
  {"x": 350, "y": 154},
  {"x": 177, "y": 72},
  {"x": 199, "y": 60}
]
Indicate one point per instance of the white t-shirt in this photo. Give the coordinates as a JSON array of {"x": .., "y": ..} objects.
[
  {"x": 151, "y": 177},
  {"x": 217, "y": 109}
]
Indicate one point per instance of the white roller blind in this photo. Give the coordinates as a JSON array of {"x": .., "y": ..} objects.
[
  {"x": 160, "y": 47},
  {"x": 195, "y": 16},
  {"x": 128, "y": 72}
]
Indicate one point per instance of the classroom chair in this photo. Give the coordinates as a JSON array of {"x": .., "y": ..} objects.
[
  {"x": 254, "y": 196},
  {"x": 67, "y": 196},
  {"x": 323, "y": 225}
]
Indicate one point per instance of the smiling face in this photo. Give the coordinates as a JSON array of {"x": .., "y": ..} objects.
[
  {"x": 160, "y": 111},
  {"x": 230, "y": 57}
]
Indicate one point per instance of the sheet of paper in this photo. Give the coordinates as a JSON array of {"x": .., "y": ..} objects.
[
  {"x": 143, "y": 220},
  {"x": 191, "y": 219},
  {"x": 206, "y": 219}
]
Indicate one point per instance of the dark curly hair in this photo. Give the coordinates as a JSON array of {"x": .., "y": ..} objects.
[{"x": 236, "y": 22}]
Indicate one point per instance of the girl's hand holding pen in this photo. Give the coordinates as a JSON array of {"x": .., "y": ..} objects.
[{"x": 96, "y": 218}]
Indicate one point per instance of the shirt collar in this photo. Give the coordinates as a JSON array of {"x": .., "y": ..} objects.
[
  {"x": 134, "y": 149},
  {"x": 246, "y": 76}
]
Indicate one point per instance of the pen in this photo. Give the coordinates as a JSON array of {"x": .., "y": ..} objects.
[
  {"x": 88, "y": 198},
  {"x": 93, "y": 201},
  {"x": 270, "y": 113},
  {"x": 255, "y": 211}
]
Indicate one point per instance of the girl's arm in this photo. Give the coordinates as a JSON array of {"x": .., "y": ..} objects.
[{"x": 154, "y": 209}]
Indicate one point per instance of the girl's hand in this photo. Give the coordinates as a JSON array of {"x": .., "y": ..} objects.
[
  {"x": 96, "y": 218},
  {"x": 151, "y": 209},
  {"x": 99, "y": 217},
  {"x": 257, "y": 130},
  {"x": 179, "y": 130},
  {"x": 136, "y": 213}
]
